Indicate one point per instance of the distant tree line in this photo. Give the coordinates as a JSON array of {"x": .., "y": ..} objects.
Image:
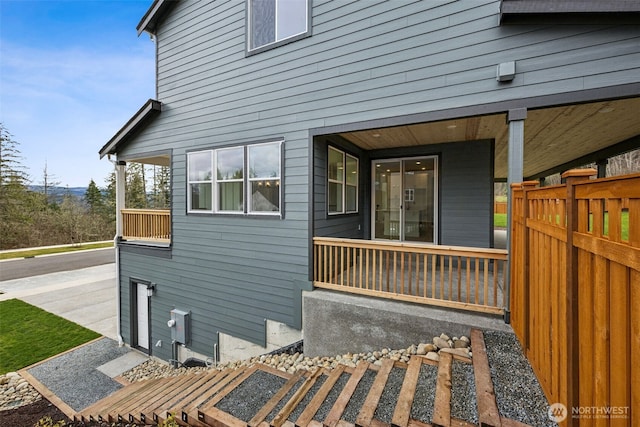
[{"x": 49, "y": 215}]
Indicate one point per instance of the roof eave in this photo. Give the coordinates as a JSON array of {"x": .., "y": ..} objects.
[
  {"x": 140, "y": 119},
  {"x": 150, "y": 19}
]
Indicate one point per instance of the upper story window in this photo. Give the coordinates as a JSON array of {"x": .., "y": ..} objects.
[
  {"x": 275, "y": 22},
  {"x": 342, "y": 182},
  {"x": 236, "y": 180}
]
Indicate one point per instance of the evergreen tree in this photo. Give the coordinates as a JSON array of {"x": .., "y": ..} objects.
[
  {"x": 93, "y": 198},
  {"x": 14, "y": 195},
  {"x": 136, "y": 194},
  {"x": 161, "y": 187}
]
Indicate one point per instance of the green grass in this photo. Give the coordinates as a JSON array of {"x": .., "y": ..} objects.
[
  {"x": 29, "y": 335},
  {"x": 500, "y": 220},
  {"x": 47, "y": 251}
]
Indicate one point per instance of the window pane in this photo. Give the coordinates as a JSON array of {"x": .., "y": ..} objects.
[
  {"x": 336, "y": 168},
  {"x": 335, "y": 197},
  {"x": 230, "y": 196},
  {"x": 263, "y": 22},
  {"x": 200, "y": 166},
  {"x": 230, "y": 163},
  {"x": 292, "y": 18},
  {"x": 352, "y": 170},
  {"x": 265, "y": 196},
  {"x": 201, "y": 197},
  {"x": 352, "y": 198},
  {"x": 264, "y": 161}
]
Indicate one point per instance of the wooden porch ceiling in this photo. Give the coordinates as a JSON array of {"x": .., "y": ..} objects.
[{"x": 553, "y": 136}]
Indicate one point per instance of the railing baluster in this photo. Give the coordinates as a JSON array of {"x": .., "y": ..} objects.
[{"x": 390, "y": 269}]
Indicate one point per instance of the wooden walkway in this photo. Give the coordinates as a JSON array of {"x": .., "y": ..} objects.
[{"x": 414, "y": 394}]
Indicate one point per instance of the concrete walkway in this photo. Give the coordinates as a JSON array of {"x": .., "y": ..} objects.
[{"x": 86, "y": 296}]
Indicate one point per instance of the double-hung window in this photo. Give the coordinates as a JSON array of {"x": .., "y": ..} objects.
[
  {"x": 274, "y": 21},
  {"x": 236, "y": 180},
  {"x": 342, "y": 182}
]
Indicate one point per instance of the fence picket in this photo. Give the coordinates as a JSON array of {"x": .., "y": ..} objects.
[{"x": 578, "y": 283}]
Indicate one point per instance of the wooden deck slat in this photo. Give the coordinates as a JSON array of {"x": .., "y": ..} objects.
[
  {"x": 121, "y": 412},
  {"x": 455, "y": 422},
  {"x": 146, "y": 412},
  {"x": 307, "y": 415},
  {"x": 116, "y": 398},
  {"x": 371, "y": 402},
  {"x": 259, "y": 417},
  {"x": 341, "y": 403},
  {"x": 442, "y": 402},
  {"x": 416, "y": 423},
  {"x": 217, "y": 418},
  {"x": 402, "y": 412},
  {"x": 507, "y": 422},
  {"x": 487, "y": 408},
  {"x": 189, "y": 412},
  {"x": 228, "y": 389},
  {"x": 160, "y": 413},
  {"x": 193, "y": 392},
  {"x": 282, "y": 416}
]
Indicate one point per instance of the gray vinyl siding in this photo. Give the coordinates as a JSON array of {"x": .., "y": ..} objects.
[{"x": 365, "y": 61}]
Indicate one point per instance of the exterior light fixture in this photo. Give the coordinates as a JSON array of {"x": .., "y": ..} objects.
[{"x": 151, "y": 289}]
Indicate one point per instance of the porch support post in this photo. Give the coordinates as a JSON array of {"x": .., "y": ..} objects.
[
  {"x": 602, "y": 167},
  {"x": 515, "y": 119},
  {"x": 120, "y": 195}
]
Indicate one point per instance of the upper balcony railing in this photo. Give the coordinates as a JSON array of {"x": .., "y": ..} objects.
[{"x": 152, "y": 225}]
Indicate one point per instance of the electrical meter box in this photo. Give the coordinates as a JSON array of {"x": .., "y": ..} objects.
[{"x": 179, "y": 324}]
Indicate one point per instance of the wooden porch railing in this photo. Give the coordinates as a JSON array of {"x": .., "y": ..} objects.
[
  {"x": 458, "y": 277},
  {"x": 146, "y": 224},
  {"x": 575, "y": 300}
]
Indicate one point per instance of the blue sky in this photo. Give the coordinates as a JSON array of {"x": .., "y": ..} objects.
[{"x": 71, "y": 74}]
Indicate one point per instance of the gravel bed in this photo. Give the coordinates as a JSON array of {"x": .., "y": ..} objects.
[
  {"x": 307, "y": 398},
  {"x": 518, "y": 393},
  {"x": 331, "y": 398},
  {"x": 285, "y": 399},
  {"x": 86, "y": 385},
  {"x": 359, "y": 395},
  {"x": 389, "y": 397},
  {"x": 423, "y": 400},
  {"x": 463, "y": 392},
  {"x": 246, "y": 400}
]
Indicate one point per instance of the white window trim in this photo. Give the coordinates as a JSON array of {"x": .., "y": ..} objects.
[
  {"x": 189, "y": 182},
  {"x": 277, "y": 42},
  {"x": 216, "y": 181},
  {"x": 343, "y": 183},
  {"x": 250, "y": 180},
  {"x": 246, "y": 180}
]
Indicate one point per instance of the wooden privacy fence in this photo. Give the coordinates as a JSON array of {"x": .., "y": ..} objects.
[
  {"x": 500, "y": 207},
  {"x": 146, "y": 224},
  {"x": 575, "y": 301},
  {"x": 458, "y": 277}
]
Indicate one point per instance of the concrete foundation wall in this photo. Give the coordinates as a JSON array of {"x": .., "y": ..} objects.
[
  {"x": 337, "y": 323},
  {"x": 278, "y": 335}
]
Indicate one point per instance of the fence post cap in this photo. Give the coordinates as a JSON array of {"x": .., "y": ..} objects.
[
  {"x": 580, "y": 173},
  {"x": 530, "y": 184}
]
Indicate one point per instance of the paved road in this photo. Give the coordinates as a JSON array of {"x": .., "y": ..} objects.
[{"x": 21, "y": 267}]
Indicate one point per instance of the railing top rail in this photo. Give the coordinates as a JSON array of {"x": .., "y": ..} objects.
[
  {"x": 607, "y": 188},
  {"x": 147, "y": 211},
  {"x": 415, "y": 247}
]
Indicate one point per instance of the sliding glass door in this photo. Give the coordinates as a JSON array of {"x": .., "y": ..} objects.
[{"x": 404, "y": 199}]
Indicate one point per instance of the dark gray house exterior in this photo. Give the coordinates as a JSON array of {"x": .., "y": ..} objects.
[{"x": 379, "y": 120}]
